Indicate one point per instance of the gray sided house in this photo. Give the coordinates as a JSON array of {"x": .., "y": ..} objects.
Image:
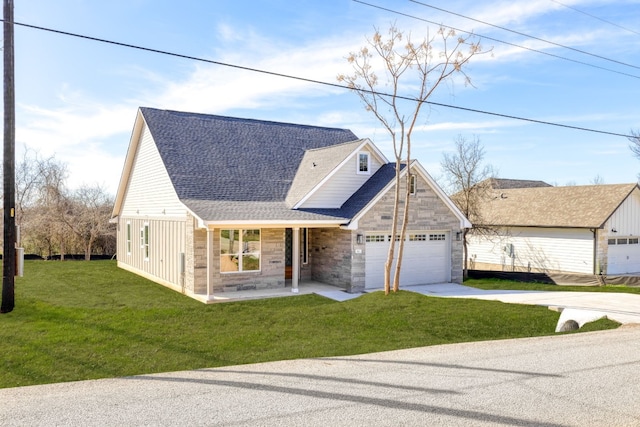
[
  {"x": 591, "y": 229},
  {"x": 209, "y": 204}
]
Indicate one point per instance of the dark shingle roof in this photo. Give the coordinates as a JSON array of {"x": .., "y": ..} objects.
[
  {"x": 220, "y": 158},
  {"x": 245, "y": 211},
  {"x": 363, "y": 195}
]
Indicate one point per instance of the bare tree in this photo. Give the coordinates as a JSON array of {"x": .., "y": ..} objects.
[
  {"x": 87, "y": 216},
  {"x": 469, "y": 184},
  {"x": 422, "y": 67},
  {"x": 635, "y": 144}
]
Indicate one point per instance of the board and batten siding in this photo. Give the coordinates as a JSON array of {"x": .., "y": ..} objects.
[
  {"x": 150, "y": 191},
  {"x": 342, "y": 184},
  {"x": 166, "y": 249},
  {"x": 625, "y": 219},
  {"x": 537, "y": 249}
]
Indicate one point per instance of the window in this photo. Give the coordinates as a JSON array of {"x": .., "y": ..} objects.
[
  {"x": 239, "y": 250},
  {"x": 417, "y": 237},
  {"x": 144, "y": 240},
  {"x": 412, "y": 184},
  {"x": 633, "y": 241},
  {"x": 128, "y": 238},
  {"x": 622, "y": 241},
  {"x": 375, "y": 238},
  {"x": 436, "y": 237},
  {"x": 611, "y": 241},
  {"x": 363, "y": 163},
  {"x": 305, "y": 245}
]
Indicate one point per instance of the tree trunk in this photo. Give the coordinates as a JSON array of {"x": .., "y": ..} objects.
[{"x": 394, "y": 228}]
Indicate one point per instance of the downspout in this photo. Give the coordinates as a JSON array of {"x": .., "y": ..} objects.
[{"x": 595, "y": 251}]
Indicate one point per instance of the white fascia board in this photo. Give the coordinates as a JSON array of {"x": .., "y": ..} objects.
[
  {"x": 134, "y": 142},
  {"x": 274, "y": 224},
  {"x": 365, "y": 142}
]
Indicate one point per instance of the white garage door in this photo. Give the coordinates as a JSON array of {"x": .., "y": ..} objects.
[
  {"x": 425, "y": 260},
  {"x": 624, "y": 256}
]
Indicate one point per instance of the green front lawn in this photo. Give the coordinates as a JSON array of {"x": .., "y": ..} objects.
[{"x": 79, "y": 320}]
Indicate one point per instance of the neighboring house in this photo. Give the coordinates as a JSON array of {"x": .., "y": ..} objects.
[
  {"x": 208, "y": 204},
  {"x": 592, "y": 229}
]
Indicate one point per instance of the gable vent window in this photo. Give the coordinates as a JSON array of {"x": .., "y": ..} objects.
[
  {"x": 363, "y": 163},
  {"x": 412, "y": 185},
  {"x": 239, "y": 250}
]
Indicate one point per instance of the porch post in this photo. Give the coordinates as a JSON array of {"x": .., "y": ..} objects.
[
  {"x": 295, "y": 260},
  {"x": 209, "y": 260}
]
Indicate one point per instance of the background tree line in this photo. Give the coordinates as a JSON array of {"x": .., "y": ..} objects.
[{"x": 55, "y": 220}]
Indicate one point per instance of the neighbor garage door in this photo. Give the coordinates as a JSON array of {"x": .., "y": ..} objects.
[
  {"x": 624, "y": 256},
  {"x": 426, "y": 259}
]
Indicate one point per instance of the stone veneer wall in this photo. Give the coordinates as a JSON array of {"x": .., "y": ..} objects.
[
  {"x": 272, "y": 260},
  {"x": 426, "y": 212},
  {"x": 330, "y": 251},
  {"x": 195, "y": 275}
]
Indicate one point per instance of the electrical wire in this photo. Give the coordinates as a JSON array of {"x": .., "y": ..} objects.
[
  {"x": 498, "y": 40},
  {"x": 596, "y": 17},
  {"x": 526, "y": 35},
  {"x": 304, "y": 79}
]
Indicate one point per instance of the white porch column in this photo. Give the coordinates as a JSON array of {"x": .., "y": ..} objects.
[
  {"x": 295, "y": 260},
  {"x": 209, "y": 261}
]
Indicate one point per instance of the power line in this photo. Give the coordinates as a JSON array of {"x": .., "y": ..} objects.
[
  {"x": 304, "y": 79},
  {"x": 498, "y": 40},
  {"x": 527, "y": 35},
  {"x": 597, "y": 17}
]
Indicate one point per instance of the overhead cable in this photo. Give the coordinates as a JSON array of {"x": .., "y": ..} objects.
[
  {"x": 304, "y": 79},
  {"x": 498, "y": 40},
  {"x": 526, "y": 35}
]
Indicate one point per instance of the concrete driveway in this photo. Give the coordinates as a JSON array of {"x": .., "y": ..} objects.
[{"x": 578, "y": 306}]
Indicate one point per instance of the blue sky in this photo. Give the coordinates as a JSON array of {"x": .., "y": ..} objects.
[{"x": 77, "y": 99}]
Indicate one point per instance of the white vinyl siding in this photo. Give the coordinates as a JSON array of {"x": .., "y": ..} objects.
[
  {"x": 545, "y": 249},
  {"x": 150, "y": 191},
  {"x": 341, "y": 185}
]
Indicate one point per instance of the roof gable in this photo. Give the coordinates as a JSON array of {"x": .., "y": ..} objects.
[
  {"x": 223, "y": 158},
  {"x": 587, "y": 206}
]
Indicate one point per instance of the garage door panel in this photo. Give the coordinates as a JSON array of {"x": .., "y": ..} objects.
[
  {"x": 425, "y": 259},
  {"x": 624, "y": 256}
]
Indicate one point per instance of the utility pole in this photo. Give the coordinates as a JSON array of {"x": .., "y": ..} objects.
[{"x": 9, "y": 249}]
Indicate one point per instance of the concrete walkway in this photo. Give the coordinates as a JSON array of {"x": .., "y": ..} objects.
[{"x": 580, "y": 307}]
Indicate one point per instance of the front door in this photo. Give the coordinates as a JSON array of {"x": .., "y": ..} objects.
[{"x": 288, "y": 253}]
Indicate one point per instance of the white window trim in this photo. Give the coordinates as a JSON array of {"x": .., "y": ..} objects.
[
  {"x": 368, "y": 171},
  {"x": 304, "y": 244},
  {"x": 145, "y": 241},
  {"x": 240, "y": 270},
  {"x": 128, "y": 237}
]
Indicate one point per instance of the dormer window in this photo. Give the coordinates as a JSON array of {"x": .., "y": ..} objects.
[{"x": 363, "y": 163}]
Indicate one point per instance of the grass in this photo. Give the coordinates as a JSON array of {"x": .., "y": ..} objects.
[{"x": 84, "y": 320}]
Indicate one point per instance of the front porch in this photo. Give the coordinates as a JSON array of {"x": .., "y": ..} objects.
[{"x": 305, "y": 287}]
